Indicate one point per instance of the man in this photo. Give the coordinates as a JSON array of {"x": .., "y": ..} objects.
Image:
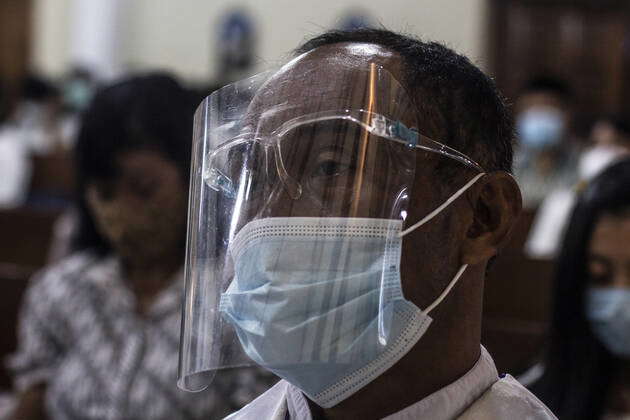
[
  {"x": 544, "y": 160},
  {"x": 325, "y": 217}
]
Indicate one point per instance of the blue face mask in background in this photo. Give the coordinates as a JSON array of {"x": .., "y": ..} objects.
[
  {"x": 608, "y": 311},
  {"x": 539, "y": 128}
]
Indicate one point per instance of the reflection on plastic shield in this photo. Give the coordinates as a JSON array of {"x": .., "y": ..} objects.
[{"x": 269, "y": 147}]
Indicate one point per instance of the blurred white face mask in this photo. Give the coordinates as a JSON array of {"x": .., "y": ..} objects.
[
  {"x": 608, "y": 311},
  {"x": 540, "y": 127}
]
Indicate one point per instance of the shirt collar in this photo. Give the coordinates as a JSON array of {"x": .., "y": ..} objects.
[{"x": 446, "y": 403}]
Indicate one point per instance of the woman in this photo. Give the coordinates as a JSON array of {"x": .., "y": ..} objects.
[
  {"x": 99, "y": 331},
  {"x": 587, "y": 370}
]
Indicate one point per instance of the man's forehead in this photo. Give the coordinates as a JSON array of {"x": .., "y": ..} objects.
[
  {"x": 350, "y": 54},
  {"x": 337, "y": 64},
  {"x": 336, "y": 75}
]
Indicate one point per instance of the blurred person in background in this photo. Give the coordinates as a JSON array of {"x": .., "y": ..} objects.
[
  {"x": 236, "y": 45},
  {"x": 586, "y": 374},
  {"x": 39, "y": 127},
  {"x": 99, "y": 330},
  {"x": 609, "y": 142},
  {"x": 77, "y": 89},
  {"x": 37, "y": 116},
  {"x": 544, "y": 159},
  {"x": 30, "y": 128}
]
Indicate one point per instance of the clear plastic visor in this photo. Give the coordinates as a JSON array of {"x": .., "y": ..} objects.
[{"x": 262, "y": 161}]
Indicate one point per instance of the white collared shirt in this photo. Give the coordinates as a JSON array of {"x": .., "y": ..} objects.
[{"x": 479, "y": 394}]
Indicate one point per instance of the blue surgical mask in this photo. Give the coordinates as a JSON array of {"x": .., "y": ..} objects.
[
  {"x": 77, "y": 94},
  {"x": 319, "y": 301},
  {"x": 542, "y": 127},
  {"x": 608, "y": 311}
]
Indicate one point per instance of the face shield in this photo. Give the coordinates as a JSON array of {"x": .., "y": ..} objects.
[{"x": 300, "y": 184}]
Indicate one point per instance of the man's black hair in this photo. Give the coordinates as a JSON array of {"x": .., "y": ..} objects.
[
  {"x": 457, "y": 104},
  {"x": 143, "y": 112},
  {"x": 578, "y": 368},
  {"x": 548, "y": 84}
]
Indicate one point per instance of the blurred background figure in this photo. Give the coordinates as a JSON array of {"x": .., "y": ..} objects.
[
  {"x": 99, "y": 330},
  {"x": 586, "y": 373},
  {"x": 31, "y": 128},
  {"x": 36, "y": 114},
  {"x": 77, "y": 89},
  {"x": 236, "y": 46},
  {"x": 544, "y": 159},
  {"x": 356, "y": 19},
  {"x": 609, "y": 142}
]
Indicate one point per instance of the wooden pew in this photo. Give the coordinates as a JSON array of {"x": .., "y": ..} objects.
[{"x": 517, "y": 304}]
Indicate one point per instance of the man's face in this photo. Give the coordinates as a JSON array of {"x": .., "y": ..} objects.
[{"x": 336, "y": 169}]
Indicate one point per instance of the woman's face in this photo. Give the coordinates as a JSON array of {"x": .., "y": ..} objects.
[
  {"x": 142, "y": 211},
  {"x": 609, "y": 254},
  {"x": 608, "y": 294}
]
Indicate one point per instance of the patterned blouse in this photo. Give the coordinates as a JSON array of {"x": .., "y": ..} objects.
[{"x": 79, "y": 334}]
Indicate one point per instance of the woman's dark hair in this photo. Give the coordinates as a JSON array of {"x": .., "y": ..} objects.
[
  {"x": 578, "y": 369},
  {"x": 148, "y": 112}
]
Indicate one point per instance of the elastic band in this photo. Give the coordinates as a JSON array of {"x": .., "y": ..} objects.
[
  {"x": 440, "y": 208},
  {"x": 448, "y": 289}
]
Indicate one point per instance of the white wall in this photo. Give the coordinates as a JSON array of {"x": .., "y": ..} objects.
[
  {"x": 179, "y": 34},
  {"x": 50, "y": 49}
]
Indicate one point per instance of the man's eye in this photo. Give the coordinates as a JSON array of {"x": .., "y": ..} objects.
[{"x": 330, "y": 168}]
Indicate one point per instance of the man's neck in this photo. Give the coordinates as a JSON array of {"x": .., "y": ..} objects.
[{"x": 421, "y": 372}]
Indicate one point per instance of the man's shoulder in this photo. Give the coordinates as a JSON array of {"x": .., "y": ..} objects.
[
  {"x": 272, "y": 405},
  {"x": 508, "y": 399}
]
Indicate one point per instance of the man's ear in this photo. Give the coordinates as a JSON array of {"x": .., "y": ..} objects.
[{"x": 496, "y": 207}]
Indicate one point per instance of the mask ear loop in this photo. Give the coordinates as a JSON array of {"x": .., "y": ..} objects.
[
  {"x": 438, "y": 210},
  {"x": 448, "y": 288},
  {"x": 430, "y": 216}
]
